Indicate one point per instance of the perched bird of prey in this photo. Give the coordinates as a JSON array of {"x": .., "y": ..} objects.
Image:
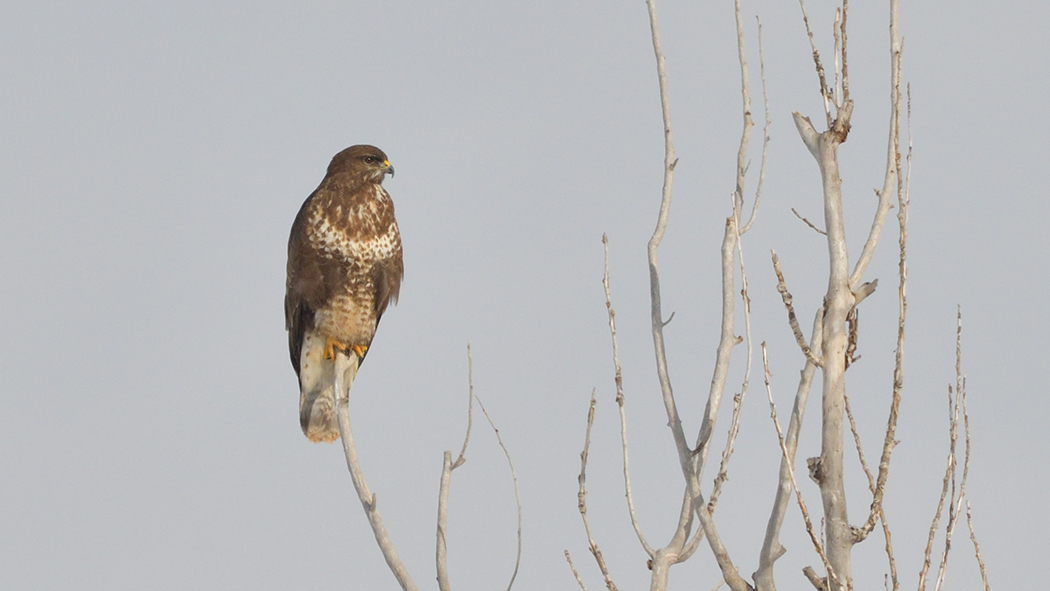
[{"x": 344, "y": 267}]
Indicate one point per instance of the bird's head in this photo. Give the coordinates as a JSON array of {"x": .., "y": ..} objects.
[{"x": 362, "y": 162}]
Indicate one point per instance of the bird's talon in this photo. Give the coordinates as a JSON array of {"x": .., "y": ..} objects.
[
  {"x": 330, "y": 346},
  {"x": 360, "y": 350}
]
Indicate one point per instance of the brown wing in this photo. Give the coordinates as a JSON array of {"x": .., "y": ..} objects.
[
  {"x": 386, "y": 277},
  {"x": 306, "y": 289}
]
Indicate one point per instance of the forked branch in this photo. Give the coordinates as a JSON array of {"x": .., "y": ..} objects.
[
  {"x": 446, "y": 479},
  {"x": 817, "y": 545}
]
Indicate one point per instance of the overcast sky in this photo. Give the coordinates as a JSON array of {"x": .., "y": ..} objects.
[{"x": 153, "y": 156}]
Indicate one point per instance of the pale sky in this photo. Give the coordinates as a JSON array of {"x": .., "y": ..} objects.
[{"x": 155, "y": 154}]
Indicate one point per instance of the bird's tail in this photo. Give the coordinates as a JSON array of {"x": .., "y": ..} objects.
[{"x": 316, "y": 381}]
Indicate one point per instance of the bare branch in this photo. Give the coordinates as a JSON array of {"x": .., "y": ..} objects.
[
  {"x": 446, "y": 479},
  {"x": 937, "y": 515},
  {"x": 738, "y": 400},
  {"x": 976, "y": 546},
  {"x": 860, "y": 449},
  {"x": 835, "y": 30},
  {"x": 723, "y": 469},
  {"x": 691, "y": 464},
  {"x": 808, "y": 223},
  {"x": 791, "y": 471},
  {"x": 860, "y": 534},
  {"x": 727, "y": 340},
  {"x": 581, "y": 498},
  {"x": 892, "y": 154},
  {"x": 574, "y": 572},
  {"x": 824, "y": 92},
  {"x": 344, "y": 374},
  {"x": 620, "y": 404},
  {"x": 656, "y": 318},
  {"x": 745, "y": 135},
  {"x": 810, "y": 136},
  {"x": 771, "y": 548},
  {"x": 470, "y": 407},
  {"x": 955, "y": 508},
  {"x": 517, "y": 493},
  {"x": 845, "y": 70},
  {"x": 950, "y": 470},
  {"x": 765, "y": 132},
  {"x": 889, "y": 441},
  {"x": 819, "y": 583},
  {"x": 442, "y": 527},
  {"x": 792, "y": 319},
  {"x": 692, "y": 545},
  {"x": 725, "y": 564},
  {"x": 839, "y": 300}
]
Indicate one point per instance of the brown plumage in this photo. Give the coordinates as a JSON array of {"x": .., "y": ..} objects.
[{"x": 344, "y": 268}]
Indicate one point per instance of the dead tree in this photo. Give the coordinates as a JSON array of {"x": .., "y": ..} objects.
[{"x": 830, "y": 348}]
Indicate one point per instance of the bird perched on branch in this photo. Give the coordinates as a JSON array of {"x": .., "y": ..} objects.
[{"x": 344, "y": 268}]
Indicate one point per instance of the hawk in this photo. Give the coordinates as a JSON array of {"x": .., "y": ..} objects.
[{"x": 344, "y": 268}]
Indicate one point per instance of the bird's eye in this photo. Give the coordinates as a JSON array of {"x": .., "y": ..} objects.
[{"x": 370, "y": 159}]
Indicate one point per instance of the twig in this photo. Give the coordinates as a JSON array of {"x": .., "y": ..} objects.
[
  {"x": 819, "y": 583},
  {"x": 960, "y": 402},
  {"x": 446, "y": 479},
  {"x": 845, "y": 70},
  {"x": 344, "y": 374},
  {"x": 889, "y": 442},
  {"x": 940, "y": 506},
  {"x": 892, "y": 155},
  {"x": 860, "y": 450},
  {"x": 765, "y": 132},
  {"x": 808, "y": 223},
  {"x": 517, "y": 493},
  {"x": 792, "y": 319},
  {"x": 470, "y": 407},
  {"x": 835, "y": 33},
  {"x": 950, "y": 470},
  {"x": 574, "y": 572},
  {"x": 738, "y": 400},
  {"x": 873, "y": 488},
  {"x": 726, "y": 342},
  {"x": 723, "y": 469},
  {"x": 852, "y": 322},
  {"x": 729, "y": 571},
  {"x": 976, "y": 546},
  {"x": 581, "y": 501},
  {"x": 816, "y": 61},
  {"x": 620, "y": 404},
  {"x": 771, "y": 548},
  {"x": 745, "y": 135},
  {"x": 791, "y": 471}
]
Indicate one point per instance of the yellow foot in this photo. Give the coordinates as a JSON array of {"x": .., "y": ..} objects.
[{"x": 330, "y": 346}]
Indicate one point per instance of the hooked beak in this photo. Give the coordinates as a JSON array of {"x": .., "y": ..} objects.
[{"x": 388, "y": 168}]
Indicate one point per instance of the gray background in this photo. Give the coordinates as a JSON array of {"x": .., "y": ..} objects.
[{"x": 153, "y": 156}]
